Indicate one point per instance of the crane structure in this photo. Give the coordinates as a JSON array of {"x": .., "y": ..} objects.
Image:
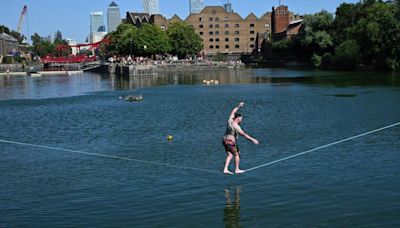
[
  {"x": 151, "y": 6},
  {"x": 21, "y": 18}
]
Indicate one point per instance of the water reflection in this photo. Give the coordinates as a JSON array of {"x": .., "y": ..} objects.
[
  {"x": 232, "y": 207},
  {"x": 24, "y": 87}
]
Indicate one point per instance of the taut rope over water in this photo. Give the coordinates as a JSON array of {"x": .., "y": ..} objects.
[{"x": 324, "y": 146}]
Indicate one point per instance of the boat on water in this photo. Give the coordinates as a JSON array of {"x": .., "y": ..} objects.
[{"x": 134, "y": 98}]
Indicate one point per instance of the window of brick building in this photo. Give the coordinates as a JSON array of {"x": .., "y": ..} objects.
[
  {"x": 226, "y": 25},
  {"x": 237, "y": 25},
  {"x": 217, "y": 46},
  {"x": 211, "y": 46},
  {"x": 226, "y": 19},
  {"x": 237, "y": 39},
  {"x": 200, "y": 26},
  {"x": 267, "y": 25},
  {"x": 252, "y": 46},
  {"x": 201, "y": 19},
  {"x": 227, "y": 46},
  {"x": 251, "y": 32},
  {"x": 216, "y": 32},
  {"x": 211, "y": 40},
  {"x": 210, "y": 26},
  {"x": 237, "y": 32},
  {"x": 216, "y": 19},
  {"x": 216, "y": 39},
  {"x": 251, "y": 38},
  {"x": 201, "y": 33},
  {"x": 227, "y": 39},
  {"x": 251, "y": 25},
  {"x": 226, "y": 32},
  {"x": 210, "y": 19},
  {"x": 237, "y": 46},
  {"x": 216, "y": 25},
  {"x": 211, "y": 33}
]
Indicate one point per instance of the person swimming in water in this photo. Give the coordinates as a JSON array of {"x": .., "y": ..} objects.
[{"x": 233, "y": 130}]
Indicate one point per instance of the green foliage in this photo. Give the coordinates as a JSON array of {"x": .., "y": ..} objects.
[
  {"x": 41, "y": 46},
  {"x": 282, "y": 48},
  {"x": 327, "y": 61},
  {"x": 375, "y": 26},
  {"x": 148, "y": 40},
  {"x": 8, "y": 60},
  {"x": 151, "y": 40},
  {"x": 4, "y": 29},
  {"x": 316, "y": 37},
  {"x": 348, "y": 54},
  {"x": 184, "y": 41},
  {"x": 14, "y": 34},
  {"x": 367, "y": 33},
  {"x": 122, "y": 40},
  {"x": 316, "y": 60}
]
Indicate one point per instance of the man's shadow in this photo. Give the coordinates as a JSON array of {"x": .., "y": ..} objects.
[{"x": 232, "y": 208}]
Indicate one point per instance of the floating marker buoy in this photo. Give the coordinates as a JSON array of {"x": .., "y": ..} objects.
[{"x": 169, "y": 138}]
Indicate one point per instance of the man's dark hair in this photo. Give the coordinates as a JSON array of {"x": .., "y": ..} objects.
[{"x": 237, "y": 115}]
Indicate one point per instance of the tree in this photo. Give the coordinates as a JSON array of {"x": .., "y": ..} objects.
[
  {"x": 315, "y": 38},
  {"x": 4, "y": 29},
  {"x": 347, "y": 16},
  {"x": 41, "y": 46},
  {"x": 184, "y": 40},
  {"x": 151, "y": 40},
  {"x": 121, "y": 40},
  {"x": 348, "y": 54}
]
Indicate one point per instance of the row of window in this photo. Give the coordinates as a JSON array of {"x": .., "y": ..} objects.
[
  {"x": 213, "y": 19},
  {"x": 227, "y": 39},
  {"x": 226, "y": 33},
  {"x": 226, "y": 26},
  {"x": 227, "y": 46}
]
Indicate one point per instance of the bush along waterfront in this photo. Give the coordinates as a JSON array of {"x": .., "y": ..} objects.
[{"x": 361, "y": 35}]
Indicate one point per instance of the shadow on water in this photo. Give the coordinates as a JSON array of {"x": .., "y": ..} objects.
[
  {"x": 232, "y": 207},
  {"x": 250, "y": 76}
]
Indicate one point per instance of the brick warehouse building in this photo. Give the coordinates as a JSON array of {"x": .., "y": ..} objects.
[{"x": 226, "y": 32}]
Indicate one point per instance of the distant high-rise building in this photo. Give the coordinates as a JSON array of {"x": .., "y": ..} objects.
[
  {"x": 97, "y": 22},
  {"x": 97, "y": 27},
  {"x": 228, "y": 7},
  {"x": 113, "y": 17},
  {"x": 151, "y": 7},
  {"x": 195, "y": 6}
]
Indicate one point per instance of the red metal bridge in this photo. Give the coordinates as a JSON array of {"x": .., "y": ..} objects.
[{"x": 55, "y": 57}]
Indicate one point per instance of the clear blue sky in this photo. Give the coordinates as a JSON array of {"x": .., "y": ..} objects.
[{"x": 71, "y": 17}]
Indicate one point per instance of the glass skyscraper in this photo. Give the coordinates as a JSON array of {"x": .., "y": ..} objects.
[
  {"x": 196, "y": 6},
  {"x": 113, "y": 17},
  {"x": 151, "y": 7},
  {"x": 97, "y": 22},
  {"x": 97, "y": 27}
]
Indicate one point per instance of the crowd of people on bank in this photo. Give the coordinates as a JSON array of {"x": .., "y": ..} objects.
[
  {"x": 140, "y": 60},
  {"x": 129, "y": 60}
]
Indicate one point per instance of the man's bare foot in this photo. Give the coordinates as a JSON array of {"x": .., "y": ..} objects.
[
  {"x": 237, "y": 171},
  {"x": 227, "y": 172}
]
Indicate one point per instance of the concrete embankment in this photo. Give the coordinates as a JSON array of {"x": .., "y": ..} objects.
[{"x": 154, "y": 68}]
